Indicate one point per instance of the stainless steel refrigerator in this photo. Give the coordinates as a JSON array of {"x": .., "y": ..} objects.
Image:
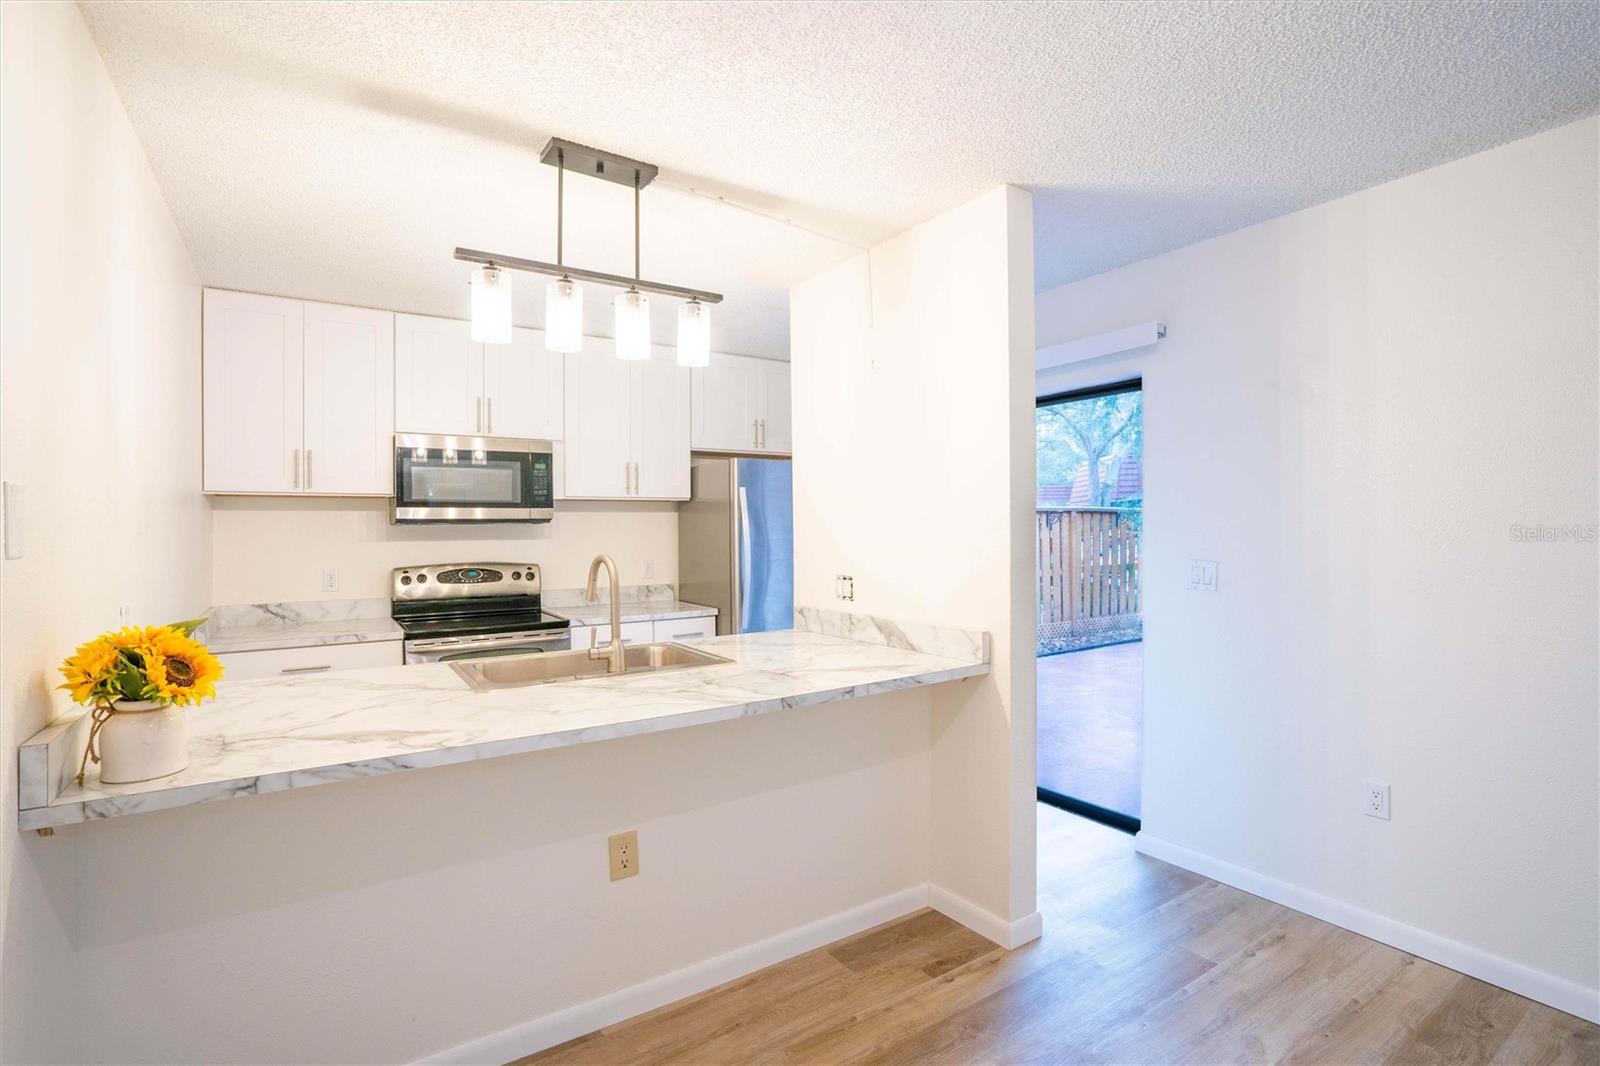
[{"x": 736, "y": 543}]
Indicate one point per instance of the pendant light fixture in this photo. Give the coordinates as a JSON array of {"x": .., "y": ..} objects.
[
  {"x": 491, "y": 305},
  {"x": 694, "y": 334},
  {"x": 563, "y": 300},
  {"x": 563, "y": 297},
  {"x": 632, "y": 308}
]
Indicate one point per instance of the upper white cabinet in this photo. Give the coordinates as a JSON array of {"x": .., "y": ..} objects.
[
  {"x": 522, "y": 387},
  {"x": 741, "y": 404},
  {"x": 776, "y": 424},
  {"x": 627, "y": 426},
  {"x": 659, "y": 391},
  {"x": 349, "y": 400},
  {"x": 251, "y": 356},
  {"x": 298, "y": 396},
  {"x": 438, "y": 376},
  {"x": 445, "y": 382}
]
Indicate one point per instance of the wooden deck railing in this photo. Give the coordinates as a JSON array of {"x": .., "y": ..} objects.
[{"x": 1088, "y": 573}]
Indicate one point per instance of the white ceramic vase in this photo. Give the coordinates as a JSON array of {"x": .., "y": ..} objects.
[{"x": 143, "y": 740}]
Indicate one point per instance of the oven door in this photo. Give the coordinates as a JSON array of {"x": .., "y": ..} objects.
[
  {"x": 472, "y": 479},
  {"x": 457, "y": 649}
]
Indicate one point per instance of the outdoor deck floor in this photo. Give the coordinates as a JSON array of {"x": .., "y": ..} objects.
[{"x": 1090, "y": 710}]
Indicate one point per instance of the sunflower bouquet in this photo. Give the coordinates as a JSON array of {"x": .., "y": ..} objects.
[
  {"x": 128, "y": 674},
  {"x": 158, "y": 664}
]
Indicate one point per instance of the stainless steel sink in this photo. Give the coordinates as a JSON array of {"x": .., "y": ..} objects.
[{"x": 516, "y": 671}]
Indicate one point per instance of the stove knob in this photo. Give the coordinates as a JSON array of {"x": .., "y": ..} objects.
[
  {"x": 406, "y": 580},
  {"x": 422, "y": 579},
  {"x": 516, "y": 575}
]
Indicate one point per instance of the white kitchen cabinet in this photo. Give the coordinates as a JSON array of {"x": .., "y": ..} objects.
[
  {"x": 523, "y": 384},
  {"x": 740, "y": 404},
  {"x": 626, "y": 425},
  {"x": 438, "y": 376},
  {"x": 349, "y": 400},
  {"x": 298, "y": 397},
  {"x": 308, "y": 662},
  {"x": 776, "y": 422},
  {"x": 598, "y": 454},
  {"x": 632, "y": 633},
  {"x": 445, "y": 382},
  {"x": 659, "y": 391},
  {"x": 667, "y": 629},
  {"x": 252, "y": 414}
]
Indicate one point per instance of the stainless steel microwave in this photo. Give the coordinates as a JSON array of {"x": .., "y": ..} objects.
[{"x": 472, "y": 479}]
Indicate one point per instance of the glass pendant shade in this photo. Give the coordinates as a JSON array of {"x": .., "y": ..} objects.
[
  {"x": 632, "y": 325},
  {"x": 491, "y": 306},
  {"x": 694, "y": 334},
  {"x": 563, "y": 316}
]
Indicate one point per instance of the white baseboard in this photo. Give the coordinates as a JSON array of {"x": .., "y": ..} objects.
[
  {"x": 986, "y": 923},
  {"x": 1546, "y": 988},
  {"x": 575, "y": 1021}
]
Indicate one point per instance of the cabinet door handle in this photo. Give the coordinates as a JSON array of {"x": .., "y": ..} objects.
[
  {"x": 490, "y": 403},
  {"x": 477, "y": 414},
  {"x": 305, "y": 669},
  {"x": 754, "y": 435},
  {"x": 763, "y": 433},
  {"x": 296, "y": 463},
  {"x": 308, "y": 469}
]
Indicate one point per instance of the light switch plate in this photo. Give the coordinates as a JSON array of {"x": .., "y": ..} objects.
[
  {"x": 11, "y": 497},
  {"x": 1202, "y": 575}
]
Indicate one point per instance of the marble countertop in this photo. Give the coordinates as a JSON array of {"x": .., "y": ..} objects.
[
  {"x": 271, "y": 735},
  {"x": 599, "y": 614},
  {"x": 301, "y": 634}
]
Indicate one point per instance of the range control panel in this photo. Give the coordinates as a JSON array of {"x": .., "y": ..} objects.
[{"x": 461, "y": 580}]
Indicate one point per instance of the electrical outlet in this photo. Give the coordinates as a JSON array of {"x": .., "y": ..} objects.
[
  {"x": 330, "y": 580},
  {"x": 844, "y": 587},
  {"x": 123, "y": 614},
  {"x": 1375, "y": 800},
  {"x": 624, "y": 849},
  {"x": 649, "y": 568}
]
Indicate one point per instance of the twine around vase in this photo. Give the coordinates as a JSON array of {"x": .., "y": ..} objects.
[{"x": 100, "y": 714}]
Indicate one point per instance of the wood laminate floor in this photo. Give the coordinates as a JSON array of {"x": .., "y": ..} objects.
[{"x": 1140, "y": 962}]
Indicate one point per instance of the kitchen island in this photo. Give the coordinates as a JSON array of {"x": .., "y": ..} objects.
[{"x": 272, "y": 735}]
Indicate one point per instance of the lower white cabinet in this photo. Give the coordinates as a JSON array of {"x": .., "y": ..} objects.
[
  {"x": 686, "y": 628},
  {"x": 632, "y": 633},
  {"x": 308, "y": 662}
]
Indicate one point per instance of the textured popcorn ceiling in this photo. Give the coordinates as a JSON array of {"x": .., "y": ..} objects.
[{"x": 339, "y": 151}]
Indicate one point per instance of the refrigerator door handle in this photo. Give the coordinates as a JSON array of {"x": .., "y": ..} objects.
[{"x": 744, "y": 561}]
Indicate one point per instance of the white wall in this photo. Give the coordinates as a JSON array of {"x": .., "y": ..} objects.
[
  {"x": 99, "y": 418},
  {"x": 274, "y": 550},
  {"x": 913, "y": 473},
  {"x": 387, "y": 919},
  {"x": 1353, "y": 407}
]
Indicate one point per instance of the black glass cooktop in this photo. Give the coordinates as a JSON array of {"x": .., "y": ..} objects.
[{"x": 473, "y": 617}]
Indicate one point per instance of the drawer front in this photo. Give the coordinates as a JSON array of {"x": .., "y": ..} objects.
[
  {"x": 686, "y": 628},
  {"x": 308, "y": 662},
  {"x": 632, "y": 633}
]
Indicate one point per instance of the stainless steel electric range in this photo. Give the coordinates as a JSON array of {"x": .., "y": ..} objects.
[{"x": 474, "y": 610}]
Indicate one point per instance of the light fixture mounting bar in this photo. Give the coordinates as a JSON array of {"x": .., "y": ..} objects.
[
  {"x": 598, "y": 163},
  {"x": 556, "y": 270}
]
